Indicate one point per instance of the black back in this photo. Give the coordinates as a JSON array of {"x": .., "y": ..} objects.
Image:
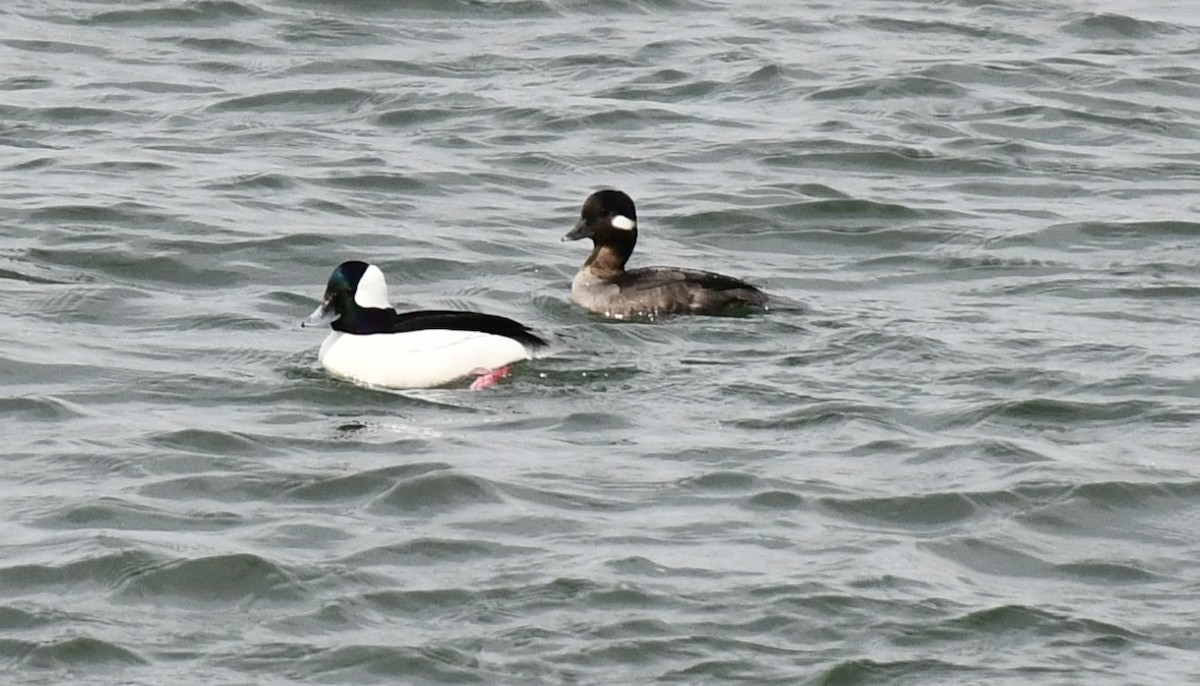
[
  {"x": 466, "y": 321},
  {"x": 364, "y": 321}
]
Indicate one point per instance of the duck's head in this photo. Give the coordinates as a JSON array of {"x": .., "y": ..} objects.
[
  {"x": 609, "y": 218},
  {"x": 354, "y": 286}
]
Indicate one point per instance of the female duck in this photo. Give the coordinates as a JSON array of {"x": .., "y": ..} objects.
[
  {"x": 373, "y": 344},
  {"x": 604, "y": 286}
]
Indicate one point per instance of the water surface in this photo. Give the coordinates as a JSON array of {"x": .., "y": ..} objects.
[{"x": 970, "y": 459}]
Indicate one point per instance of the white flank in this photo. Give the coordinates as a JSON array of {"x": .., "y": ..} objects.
[
  {"x": 624, "y": 223},
  {"x": 417, "y": 359},
  {"x": 372, "y": 289}
]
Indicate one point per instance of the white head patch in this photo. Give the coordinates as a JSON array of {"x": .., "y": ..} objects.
[
  {"x": 372, "y": 289},
  {"x": 624, "y": 223}
]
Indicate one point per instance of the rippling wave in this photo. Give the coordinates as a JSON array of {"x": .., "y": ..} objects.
[{"x": 966, "y": 456}]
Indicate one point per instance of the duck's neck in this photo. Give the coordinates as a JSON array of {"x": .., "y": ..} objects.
[
  {"x": 366, "y": 320},
  {"x": 606, "y": 262}
]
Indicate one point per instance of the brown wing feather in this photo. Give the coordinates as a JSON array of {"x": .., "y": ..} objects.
[
  {"x": 648, "y": 278},
  {"x": 674, "y": 290}
]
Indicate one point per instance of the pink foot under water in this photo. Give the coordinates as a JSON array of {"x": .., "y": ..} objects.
[{"x": 489, "y": 378}]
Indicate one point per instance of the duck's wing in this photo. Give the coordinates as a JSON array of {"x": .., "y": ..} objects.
[
  {"x": 668, "y": 289},
  {"x": 649, "y": 278},
  {"x": 466, "y": 321}
]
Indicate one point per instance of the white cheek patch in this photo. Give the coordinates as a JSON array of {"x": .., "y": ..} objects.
[
  {"x": 372, "y": 289},
  {"x": 624, "y": 223}
]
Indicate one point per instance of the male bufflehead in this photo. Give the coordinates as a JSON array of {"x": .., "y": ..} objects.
[
  {"x": 373, "y": 344},
  {"x": 605, "y": 287}
]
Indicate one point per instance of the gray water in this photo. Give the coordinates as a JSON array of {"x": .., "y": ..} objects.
[{"x": 971, "y": 458}]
